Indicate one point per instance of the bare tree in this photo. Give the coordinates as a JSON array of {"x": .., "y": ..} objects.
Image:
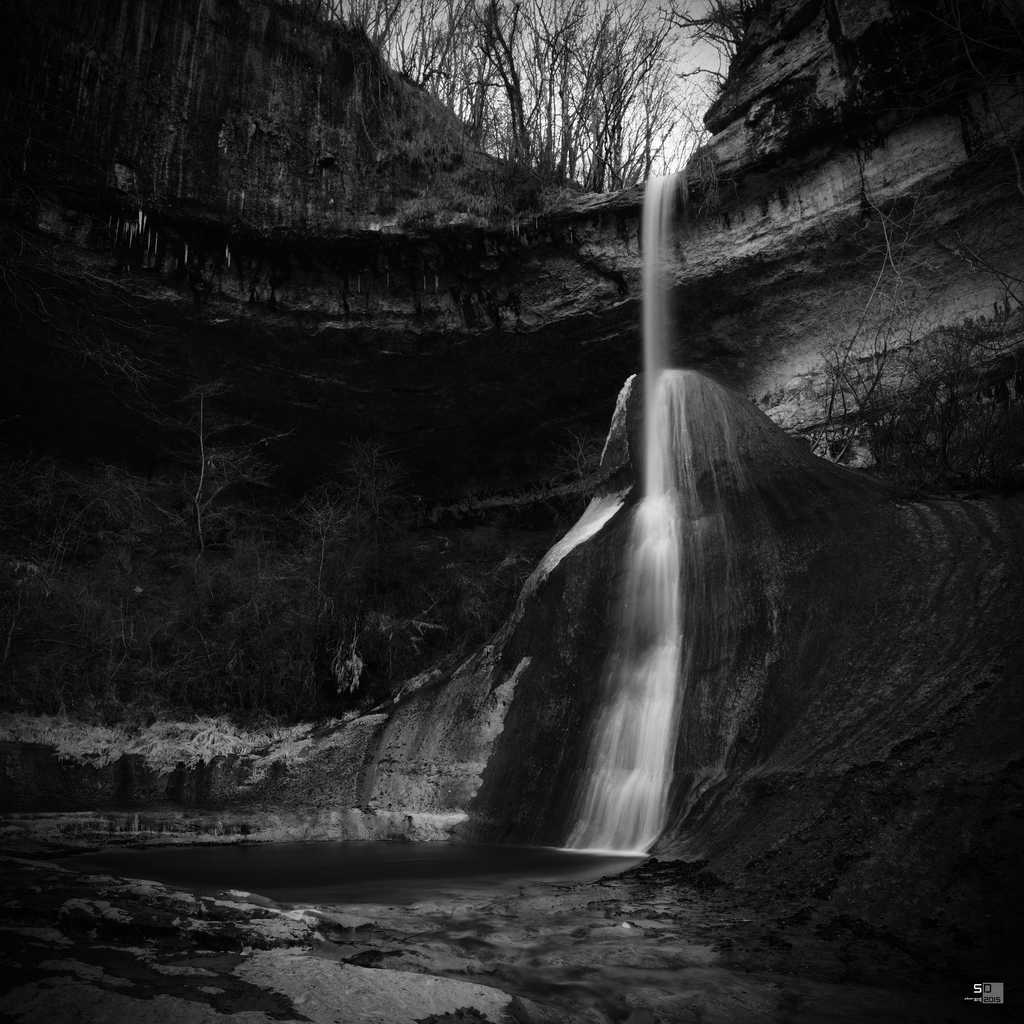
[
  {"x": 577, "y": 91},
  {"x": 501, "y": 41},
  {"x": 722, "y": 23},
  {"x": 216, "y": 464}
]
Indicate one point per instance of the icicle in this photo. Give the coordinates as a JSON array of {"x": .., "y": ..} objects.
[
  {"x": 140, "y": 218},
  {"x": 359, "y": 283},
  {"x": 435, "y": 284},
  {"x": 227, "y": 254},
  {"x": 186, "y": 254}
]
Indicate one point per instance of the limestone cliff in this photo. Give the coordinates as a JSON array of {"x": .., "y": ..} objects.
[
  {"x": 202, "y": 190},
  {"x": 247, "y": 115},
  {"x": 308, "y": 228},
  {"x": 861, "y": 743},
  {"x": 852, "y": 737}
]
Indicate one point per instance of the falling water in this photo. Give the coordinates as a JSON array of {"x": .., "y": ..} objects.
[
  {"x": 676, "y": 624},
  {"x": 634, "y": 740}
]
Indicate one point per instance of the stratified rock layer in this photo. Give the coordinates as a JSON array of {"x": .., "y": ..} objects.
[{"x": 302, "y": 249}]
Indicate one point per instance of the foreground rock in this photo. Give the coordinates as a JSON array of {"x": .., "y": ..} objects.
[
  {"x": 103, "y": 948},
  {"x": 662, "y": 943}
]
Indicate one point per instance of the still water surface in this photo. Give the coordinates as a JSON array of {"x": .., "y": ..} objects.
[{"x": 356, "y": 872}]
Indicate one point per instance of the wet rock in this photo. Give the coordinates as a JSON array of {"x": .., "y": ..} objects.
[
  {"x": 320, "y": 989},
  {"x": 591, "y": 953}
]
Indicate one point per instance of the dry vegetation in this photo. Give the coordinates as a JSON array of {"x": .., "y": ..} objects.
[
  {"x": 586, "y": 93},
  {"x": 926, "y": 400},
  {"x": 163, "y": 746},
  {"x": 115, "y": 606}
]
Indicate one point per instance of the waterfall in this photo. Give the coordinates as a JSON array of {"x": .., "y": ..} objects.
[
  {"x": 675, "y": 622},
  {"x": 634, "y": 739},
  {"x": 677, "y": 625}
]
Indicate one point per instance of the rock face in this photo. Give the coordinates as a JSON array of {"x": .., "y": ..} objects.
[
  {"x": 237, "y": 194},
  {"x": 858, "y": 741},
  {"x": 850, "y": 733},
  {"x": 861, "y": 161},
  {"x": 248, "y": 114},
  {"x": 259, "y": 184}
]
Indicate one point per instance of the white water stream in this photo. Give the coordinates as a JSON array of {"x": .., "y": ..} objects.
[{"x": 630, "y": 767}]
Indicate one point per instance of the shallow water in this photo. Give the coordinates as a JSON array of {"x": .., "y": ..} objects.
[
  {"x": 646, "y": 946},
  {"x": 356, "y": 872}
]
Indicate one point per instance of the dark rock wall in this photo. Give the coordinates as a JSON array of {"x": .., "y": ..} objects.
[
  {"x": 813, "y": 74},
  {"x": 864, "y": 745},
  {"x": 851, "y": 734},
  {"x": 229, "y": 110},
  {"x": 250, "y": 186},
  {"x": 534, "y": 775}
]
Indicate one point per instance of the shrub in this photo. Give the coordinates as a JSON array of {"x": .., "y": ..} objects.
[
  {"x": 944, "y": 411},
  {"x": 108, "y": 613}
]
